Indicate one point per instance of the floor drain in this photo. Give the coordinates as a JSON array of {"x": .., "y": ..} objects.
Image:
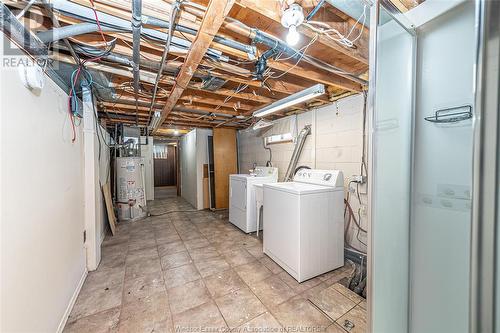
[{"x": 348, "y": 325}]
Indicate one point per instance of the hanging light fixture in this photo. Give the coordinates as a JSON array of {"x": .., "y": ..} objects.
[
  {"x": 299, "y": 97},
  {"x": 155, "y": 121},
  {"x": 292, "y": 17}
]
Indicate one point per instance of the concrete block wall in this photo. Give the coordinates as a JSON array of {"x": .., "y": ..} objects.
[{"x": 335, "y": 142}]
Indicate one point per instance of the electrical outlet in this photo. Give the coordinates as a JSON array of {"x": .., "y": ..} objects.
[
  {"x": 363, "y": 210},
  {"x": 358, "y": 179}
]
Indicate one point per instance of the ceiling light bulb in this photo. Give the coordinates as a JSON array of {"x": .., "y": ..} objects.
[
  {"x": 176, "y": 132},
  {"x": 293, "y": 36}
]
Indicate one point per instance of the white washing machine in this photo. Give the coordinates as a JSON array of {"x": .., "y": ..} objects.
[
  {"x": 304, "y": 231},
  {"x": 242, "y": 196}
]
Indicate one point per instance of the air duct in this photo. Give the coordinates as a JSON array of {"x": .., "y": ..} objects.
[
  {"x": 353, "y": 8},
  {"x": 136, "y": 47},
  {"x": 106, "y": 20},
  {"x": 173, "y": 18},
  {"x": 297, "y": 151}
]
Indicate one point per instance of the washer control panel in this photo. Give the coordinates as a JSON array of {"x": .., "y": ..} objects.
[
  {"x": 266, "y": 172},
  {"x": 334, "y": 178}
]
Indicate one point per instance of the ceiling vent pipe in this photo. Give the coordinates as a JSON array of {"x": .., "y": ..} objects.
[
  {"x": 86, "y": 14},
  {"x": 353, "y": 8},
  {"x": 173, "y": 18},
  {"x": 297, "y": 151},
  {"x": 153, "y": 21},
  {"x": 136, "y": 52}
]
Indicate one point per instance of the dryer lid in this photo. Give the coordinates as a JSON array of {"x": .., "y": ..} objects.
[{"x": 299, "y": 188}]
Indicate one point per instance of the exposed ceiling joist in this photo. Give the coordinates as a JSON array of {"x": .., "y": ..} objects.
[
  {"x": 272, "y": 10},
  {"x": 215, "y": 14},
  {"x": 203, "y": 77}
]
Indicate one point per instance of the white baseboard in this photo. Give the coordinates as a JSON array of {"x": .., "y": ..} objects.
[{"x": 72, "y": 301}]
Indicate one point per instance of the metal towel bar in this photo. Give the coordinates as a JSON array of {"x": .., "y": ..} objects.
[{"x": 445, "y": 116}]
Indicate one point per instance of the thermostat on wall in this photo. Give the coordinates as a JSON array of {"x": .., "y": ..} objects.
[{"x": 32, "y": 77}]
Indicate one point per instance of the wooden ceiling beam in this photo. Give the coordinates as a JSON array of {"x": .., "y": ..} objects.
[
  {"x": 194, "y": 108},
  {"x": 272, "y": 10},
  {"x": 148, "y": 77},
  {"x": 119, "y": 117},
  {"x": 191, "y": 107},
  {"x": 314, "y": 74},
  {"x": 194, "y": 97},
  {"x": 299, "y": 71},
  {"x": 194, "y": 124},
  {"x": 215, "y": 14},
  {"x": 212, "y": 100}
]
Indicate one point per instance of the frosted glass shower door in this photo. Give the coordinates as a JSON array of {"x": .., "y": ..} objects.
[
  {"x": 441, "y": 208},
  {"x": 391, "y": 97}
]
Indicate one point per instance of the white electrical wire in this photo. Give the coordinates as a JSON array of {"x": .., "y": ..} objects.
[
  {"x": 303, "y": 52},
  {"x": 338, "y": 36}
]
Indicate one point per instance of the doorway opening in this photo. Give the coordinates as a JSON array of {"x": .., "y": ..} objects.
[{"x": 166, "y": 167}]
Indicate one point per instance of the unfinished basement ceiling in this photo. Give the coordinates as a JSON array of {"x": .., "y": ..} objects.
[{"x": 239, "y": 62}]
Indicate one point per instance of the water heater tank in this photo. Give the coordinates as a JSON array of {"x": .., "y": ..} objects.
[{"x": 131, "y": 198}]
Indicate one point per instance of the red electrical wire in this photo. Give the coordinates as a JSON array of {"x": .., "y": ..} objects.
[
  {"x": 98, "y": 22},
  {"x": 73, "y": 139},
  {"x": 71, "y": 92}
]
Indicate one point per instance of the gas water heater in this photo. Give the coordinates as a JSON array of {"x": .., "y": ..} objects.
[{"x": 131, "y": 197}]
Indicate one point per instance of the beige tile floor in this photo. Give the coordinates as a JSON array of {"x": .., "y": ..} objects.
[{"x": 196, "y": 272}]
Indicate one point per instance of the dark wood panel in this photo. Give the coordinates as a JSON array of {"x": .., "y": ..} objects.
[
  {"x": 225, "y": 163},
  {"x": 165, "y": 169}
]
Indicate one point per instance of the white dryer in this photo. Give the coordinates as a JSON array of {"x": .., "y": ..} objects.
[
  {"x": 304, "y": 231},
  {"x": 242, "y": 196}
]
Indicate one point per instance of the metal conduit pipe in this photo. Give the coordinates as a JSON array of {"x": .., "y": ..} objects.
[
  {"x": 88, "y": 27},
  {"x": 25, "y": 9},
  {"x": 56, "y": 23},
  {"x": 127, "y": 61},
  {"x": 136, "y": 48},
  {"x": 14, "y": 29},
  {"x": 111, "y": 23},
  {"x": 272, "y": 42},
  {"x": 49, "y": 36},
  {"x": 250, "y": 49},
  {"x": 86, "y": 14},
  {"x": 173, "y": 18},
  {"x": 280, "y": 46}
]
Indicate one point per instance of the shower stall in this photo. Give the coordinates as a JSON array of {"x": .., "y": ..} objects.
[{"x": 433, "y": 152}]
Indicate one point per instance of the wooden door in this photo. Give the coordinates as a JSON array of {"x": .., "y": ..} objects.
[
  {"x": 165, "y": 169},
  {"x": 225, "y": 163}
]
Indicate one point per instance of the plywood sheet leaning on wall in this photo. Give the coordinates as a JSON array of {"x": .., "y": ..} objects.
[
  {"x": 106, "y": 191},
  {"x": 206, "y": 194},
  {"x": 225, "y": 163}
]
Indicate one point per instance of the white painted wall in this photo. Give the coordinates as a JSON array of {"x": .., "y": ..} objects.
[
  {"x": 390, "y": 201},
  {"x": 201, "y": 158},
  {"x": 42, "y": 251},
  {"x": 104, "y": 174},
  {"x": 440, "y": 235},
  {"x": 335, "y": 142},
  {"x": 193, "y": 153},
  {"x": 147, "y": 154},
  {"x": 187, "y": 161},
  {"x": 42, "y": 206}
]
